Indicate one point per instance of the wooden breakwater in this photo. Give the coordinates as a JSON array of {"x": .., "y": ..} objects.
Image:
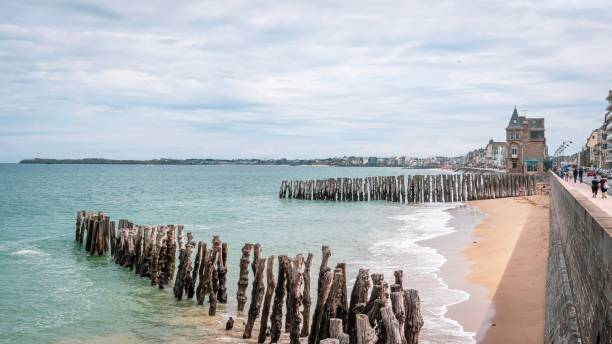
[
  {"x": 412, "y": 189},
  {"x": 375, "y": 312}
]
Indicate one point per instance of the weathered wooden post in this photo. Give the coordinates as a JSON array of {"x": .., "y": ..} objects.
[
  {"x": 306, "y": 299},
  {"x": 336, "y": 331},
  {"x": 202, "y": 287},
  {"x": 364, "y": 332},
  {"x": 279, "y": 294},
  {"x": 414, "y": 319},
  {"x": 222, "y": 273},
  {"x": 265, "y": 314},
  {"x": 325, "y": 283},
  {"x": 391, "y": 326},
  {"x": 196, "y": 270},
  {"x": 257, "y": 295},
  {"x": 296, "y": 298},
  {"x": 243, "y": 280},
  {"x": 359, "y": 295}
]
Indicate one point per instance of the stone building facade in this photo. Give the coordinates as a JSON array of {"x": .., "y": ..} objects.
[
  {"x": 496, "y": 154},
  {"x": 592, "y": 153},
  {"x": 607, "y": 134},
  {"x": 526, "y": 144}
]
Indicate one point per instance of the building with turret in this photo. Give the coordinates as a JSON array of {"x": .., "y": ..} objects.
[
  {"x": 607, "y": 133},
  {"x": 526, "y": 144}
]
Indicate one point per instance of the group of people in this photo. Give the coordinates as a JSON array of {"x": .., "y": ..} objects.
[
  {"x": 572, "y": 171},
  {"x": 601, "y": 183},
  {"x": 596, "y": 184}
]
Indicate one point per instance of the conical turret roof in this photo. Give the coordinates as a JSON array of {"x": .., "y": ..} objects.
[{"x": 515, "y": 121}]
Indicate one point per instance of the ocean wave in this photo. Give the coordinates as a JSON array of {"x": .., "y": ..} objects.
[
  {"x": 421, "y": 264},
  {"x": 29, "y": 253}
]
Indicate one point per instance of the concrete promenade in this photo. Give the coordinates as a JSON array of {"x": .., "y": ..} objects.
[{"x": 585, "y": 190}]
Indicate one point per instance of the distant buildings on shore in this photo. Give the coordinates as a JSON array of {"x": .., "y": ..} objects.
[
  {"x": 597, "y": 151},
  {"x": 346, "y": 161},
  {"x": 523, "y": 151}
]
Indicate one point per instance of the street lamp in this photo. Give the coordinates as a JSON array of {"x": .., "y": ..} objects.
[{"x": 561, "y": 150}]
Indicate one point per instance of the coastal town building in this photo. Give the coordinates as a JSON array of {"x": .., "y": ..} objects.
[
  {"x": 495, "y": 154},
  {"x": 526, "y": 144},
  {"x": 476, "y": 158},
  {"x": 592, "y": 152},
  {"x": 607, "y": 134}
]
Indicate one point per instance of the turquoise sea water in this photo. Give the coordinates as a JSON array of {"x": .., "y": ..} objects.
[{"x": 51, "y": 291}]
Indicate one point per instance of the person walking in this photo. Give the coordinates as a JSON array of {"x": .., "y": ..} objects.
[
  {"x": 594, "y": 186},
  {"x": 603, "y": 182},
  {"x": 575, "y": 172},
  {"x": 580, "y": 173}
]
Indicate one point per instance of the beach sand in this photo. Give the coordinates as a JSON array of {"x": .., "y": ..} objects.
[{"x": 506, "y": 256}]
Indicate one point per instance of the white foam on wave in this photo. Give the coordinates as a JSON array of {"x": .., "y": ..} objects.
[
  {"x": 29, "y": 253},
  {"x": 421, "y": 265}
]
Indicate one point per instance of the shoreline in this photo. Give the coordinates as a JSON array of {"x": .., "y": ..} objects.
[{"x": 501, "y": 263}]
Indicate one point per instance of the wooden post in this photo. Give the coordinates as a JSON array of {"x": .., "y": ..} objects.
[
  {"x": 325, "y": 282},
  {"x": 336, "y": 331},
  {"x": 296, "y": 298},
  {"x": 265, "y": 314},
  {"x": 306, "y": 299},
  {"x": 243, "y": 280},
  {"x": 196, "y": 269},
  {"x": 213, "y": 285},
  {"x": 162, "y": 260},
  {"x": 79, "y": 219},
  {"x": 397, "y": 304},
  {"x": 183, "y": 277},
  {"x": 205, "y": 289},
  {"x": 359, "y": 295},
  {"x": 414, "y": 319},
  {"x": 399, "y": 278},
  {"x": 222, "y": 274},
  {"x": 256, "y": 298},
  {"x": 203, "y": 282},
  {"x": 277, "y": 307},
  {"x": 364, "y": 332},
  {"x": 342, "y": 308},
  {"x": 392, "y": 329}
]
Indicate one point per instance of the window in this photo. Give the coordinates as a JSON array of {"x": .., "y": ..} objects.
[
  {"x": 532, "y": 165},
  {"x": 515, "y": 136},
  {"x": 514, "y": 150},
  {"x": 514, "y": 164},
  {"x": 537, "y": 134}
]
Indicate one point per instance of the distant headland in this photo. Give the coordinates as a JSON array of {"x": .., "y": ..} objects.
[{"x": 347, "y": 161}]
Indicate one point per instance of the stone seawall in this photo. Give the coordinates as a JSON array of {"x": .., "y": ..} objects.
[{"x": 579, "y": 276}]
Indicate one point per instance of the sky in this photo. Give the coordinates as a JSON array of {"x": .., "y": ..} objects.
[{"x": 271, "y": 79}]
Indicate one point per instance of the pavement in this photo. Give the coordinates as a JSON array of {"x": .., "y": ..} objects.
[{"x": 585, "y": 189}]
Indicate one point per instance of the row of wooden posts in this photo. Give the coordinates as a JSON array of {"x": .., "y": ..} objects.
[
  {"x": 412, "y": 189},
  {"x": 383, "y": 315}
]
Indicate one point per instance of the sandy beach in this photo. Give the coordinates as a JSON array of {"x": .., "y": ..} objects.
[{"x": 505, "y": 275}]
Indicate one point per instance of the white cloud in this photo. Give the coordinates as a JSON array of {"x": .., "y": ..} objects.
[{"x": 297, "y": 79}]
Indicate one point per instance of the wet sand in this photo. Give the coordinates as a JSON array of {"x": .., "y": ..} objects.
[{"x": 503, "y": 267}]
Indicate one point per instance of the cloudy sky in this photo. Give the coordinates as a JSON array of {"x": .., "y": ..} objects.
[{"x": 148, "y": 79}]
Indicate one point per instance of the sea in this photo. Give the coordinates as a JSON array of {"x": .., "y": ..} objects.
[{"x": 52, "y": 291}]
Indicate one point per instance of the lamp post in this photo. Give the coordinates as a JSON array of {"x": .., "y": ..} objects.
[{"x": 561, "y": 150}]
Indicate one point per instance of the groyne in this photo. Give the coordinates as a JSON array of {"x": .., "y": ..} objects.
[
  {"x": 412, "y": 188},
  {"x": 579, "y": 274},
  {"x": 375, "y": 312}
]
